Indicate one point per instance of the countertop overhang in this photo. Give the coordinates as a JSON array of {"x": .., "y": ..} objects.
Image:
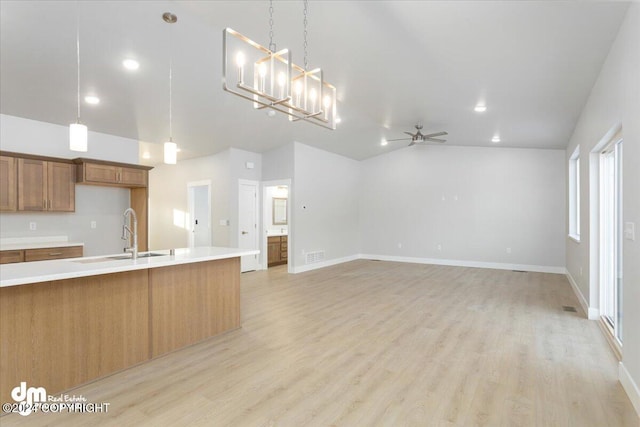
[{"x": 45, "y": 271}]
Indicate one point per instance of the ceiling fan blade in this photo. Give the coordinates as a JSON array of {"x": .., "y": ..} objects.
[
  {"x": 411, "y": 134},
  {"x": 413, "y": 142},
  {"x": 399, "y": 139},
  {"x": 435, "y": 140},
  {"x": 436, "y": 134}
]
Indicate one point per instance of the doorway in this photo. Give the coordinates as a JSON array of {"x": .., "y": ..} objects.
[
  {"x": 277, "y": 224},
  {"x": 199, "y": 199},
  {"x": 248, "y": 223}
]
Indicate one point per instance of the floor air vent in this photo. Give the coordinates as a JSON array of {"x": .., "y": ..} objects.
[
  {"x": 313, "y": 257},
  {"x": 569, "y": 308}
]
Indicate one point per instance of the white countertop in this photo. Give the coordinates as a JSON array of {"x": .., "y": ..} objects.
[
  {"x": 277, "y": 233},
  {"x": 24, "y": 273},
  {"x": 20, "y": 243}
]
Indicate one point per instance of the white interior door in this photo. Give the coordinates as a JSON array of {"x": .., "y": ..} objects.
[
  {"x": 199, "y": 213},
  {"x": 248, "y": 223}
]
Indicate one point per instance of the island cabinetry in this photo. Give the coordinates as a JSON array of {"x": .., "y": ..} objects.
[
  {"x": 8, "y": 187},
  {"x": 63, "y": 333},
  {"x": 193, "y": 302},
  {"x": 45, "y": 186}
]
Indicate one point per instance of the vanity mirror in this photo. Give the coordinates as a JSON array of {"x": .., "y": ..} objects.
[{"x": 279, "y": 211}]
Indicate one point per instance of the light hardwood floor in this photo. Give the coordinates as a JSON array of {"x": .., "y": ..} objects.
[{"x": 371, "y": 343}]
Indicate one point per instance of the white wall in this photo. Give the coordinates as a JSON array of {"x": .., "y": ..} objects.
[
  {"x": 277, "y": 164},
  {"x": 614, "y": 100},
  {"x": 472, "y": 202},
  {"x": 324, "y": 205},
  {"x": 168, "y": 200},
  {"x": 46, "y": 139},
  {"x": 101, "y": 204}
]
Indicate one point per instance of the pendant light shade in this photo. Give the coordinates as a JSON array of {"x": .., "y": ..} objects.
[
  {"x": 77, "y": 137},
  {"x": 170, "y": 153}
]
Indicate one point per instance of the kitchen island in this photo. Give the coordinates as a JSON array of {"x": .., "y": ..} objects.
[{"x": 67, "y": 322}]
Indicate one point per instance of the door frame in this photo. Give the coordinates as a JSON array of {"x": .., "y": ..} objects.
[
  {"x": 258, "y": 228},
  {"x": 191, "y": 206},
  {"x": 275, "y": 183}
]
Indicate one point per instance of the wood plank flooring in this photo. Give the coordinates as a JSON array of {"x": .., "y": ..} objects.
[{"x": 371, "y": 343}]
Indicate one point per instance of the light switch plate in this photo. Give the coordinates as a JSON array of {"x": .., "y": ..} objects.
[
  {"x": 32, "y": 226},
  {"x": 630, "y": 231}
]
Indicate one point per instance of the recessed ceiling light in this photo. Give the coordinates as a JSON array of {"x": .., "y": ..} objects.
[
  {"x": 131, "y": 64},
  {"x": 480, "y": 108},
  {"x": 146, "y": 155},
  {"x": 495, "y": 139},
  {"x": 384, "y": 142},
  {"x": 338, "y": 120},
  {"x": 91, "y": 99}
]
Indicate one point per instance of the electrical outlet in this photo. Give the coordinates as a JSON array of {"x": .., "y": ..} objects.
[
  {"x": 93, "y": 224},
  {"x": 439, "y": 248},
  {"x": 508, "y": 250},
  {"x": 399, "y": 245},
  {"x": 32, "y": 226}
]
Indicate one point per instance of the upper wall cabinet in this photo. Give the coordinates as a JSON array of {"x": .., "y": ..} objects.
[
  {"x": 8, "y": 184},
  {"x": 46, "y": 186},
  {"x": 96, "y": 172}
]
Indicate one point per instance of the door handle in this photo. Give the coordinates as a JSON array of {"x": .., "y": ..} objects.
[{"x": 245, "y": 232}]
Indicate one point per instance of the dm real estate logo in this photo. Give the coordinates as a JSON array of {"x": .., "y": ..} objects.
[{"x": 27, "y": 399}]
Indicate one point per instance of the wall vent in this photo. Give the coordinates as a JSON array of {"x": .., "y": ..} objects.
[{"x": 313, "y": 257}]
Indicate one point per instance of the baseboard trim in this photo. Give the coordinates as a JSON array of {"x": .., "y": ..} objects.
[
  {"x": 630, "y": 387},
  {"x": 591, "y": 312},
  {"x": 327, "y": 263},
  {"x": 462, "y": 263}
]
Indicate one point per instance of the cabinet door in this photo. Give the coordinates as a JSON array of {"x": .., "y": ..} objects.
[
  {"x": 8, "y": 188},
  {"x": 9, "y": 257},
  {"x": 61, "y": 188},
  {"x": 273, "y": 250},
  {"x": 32, "y": 185},
  {"x": 94, "y": 172},
  {"x": 133, "y": 177}
]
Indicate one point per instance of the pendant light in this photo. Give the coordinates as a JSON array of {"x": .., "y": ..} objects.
[
  {"x": 170, "y": 147},
  {"x": 269, "y": 79},
  {"x": 77, "y": 131}
]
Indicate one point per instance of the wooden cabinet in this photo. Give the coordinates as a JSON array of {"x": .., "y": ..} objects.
[
  {"x": 277, "y": 250},
  {"x": 104, "y": 173},
  {"x": 9, "y": 257},
  {"x": 41, "y": 254},
  {"x": 46, "y": 186},
  {"x": 52, "y": 253},
  {"x": 8, "y": 185}
]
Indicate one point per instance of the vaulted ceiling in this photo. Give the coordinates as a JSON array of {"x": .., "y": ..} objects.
[{"x": 395, "y": 63}]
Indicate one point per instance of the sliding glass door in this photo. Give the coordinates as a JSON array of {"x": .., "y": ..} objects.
[{"x": 611, "y": 237}]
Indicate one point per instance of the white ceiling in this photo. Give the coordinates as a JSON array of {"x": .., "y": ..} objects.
[{"x": 394, "y": 63}]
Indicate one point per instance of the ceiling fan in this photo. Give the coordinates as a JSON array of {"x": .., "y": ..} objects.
[{"x": 420, "y": 138}]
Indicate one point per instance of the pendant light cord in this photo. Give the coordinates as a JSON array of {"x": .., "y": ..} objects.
[
  {"x": 170, "y": 98},
  {"x": 306, "y": 53},
  {"x": 78, "y": 54}
]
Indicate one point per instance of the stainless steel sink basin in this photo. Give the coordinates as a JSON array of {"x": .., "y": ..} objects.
[{"x": 145, "y": 255}]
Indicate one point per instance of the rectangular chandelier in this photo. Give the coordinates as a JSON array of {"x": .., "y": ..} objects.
[{"x": 272, "y": 80}]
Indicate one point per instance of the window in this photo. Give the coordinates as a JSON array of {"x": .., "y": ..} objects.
[
  {"x": 574, "y": 195},
  {"x": 611, "y": 236}
]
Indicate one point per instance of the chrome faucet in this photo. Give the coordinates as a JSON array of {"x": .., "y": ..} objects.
[{"x": 127, "y": 233}]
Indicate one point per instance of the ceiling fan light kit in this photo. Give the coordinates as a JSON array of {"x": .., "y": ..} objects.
[{"x": 270, "y": 79}]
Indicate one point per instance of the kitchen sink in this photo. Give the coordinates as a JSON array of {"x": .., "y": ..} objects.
[{"x": 145, "y": 255}]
